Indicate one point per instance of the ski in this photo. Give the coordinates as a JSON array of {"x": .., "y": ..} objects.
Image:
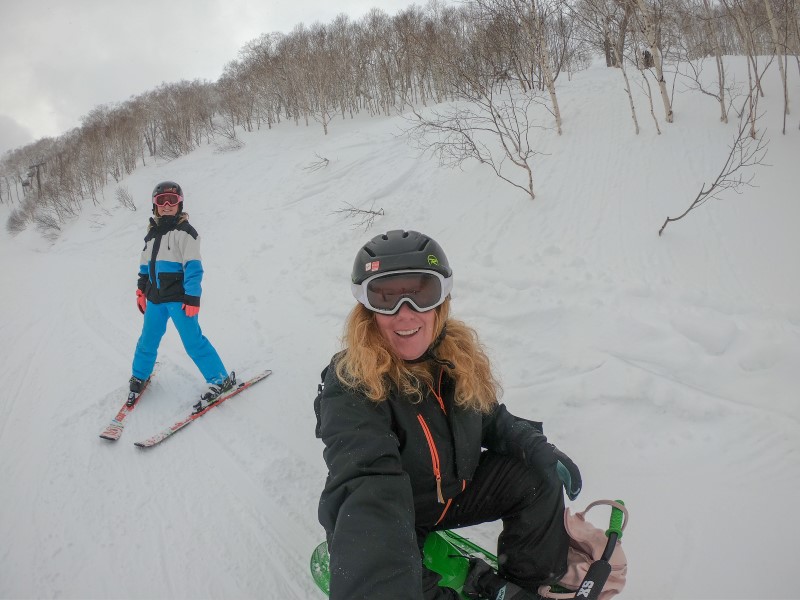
[
  {"x": 114, "y": 429},
  {"x": 161, "y": 436}
]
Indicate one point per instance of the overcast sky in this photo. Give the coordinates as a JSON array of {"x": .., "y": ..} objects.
[{"x": 61, "y": 58}]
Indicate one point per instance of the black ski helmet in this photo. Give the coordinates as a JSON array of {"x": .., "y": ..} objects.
[
  {"x": 399, "y": 250},
  {"x": 167, "y": 186}
]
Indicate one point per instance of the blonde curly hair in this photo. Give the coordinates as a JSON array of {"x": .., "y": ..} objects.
[{"x": 368, "y": 364}]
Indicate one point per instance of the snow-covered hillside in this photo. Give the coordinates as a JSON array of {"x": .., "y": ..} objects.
[{"x": 667, "y": 367}]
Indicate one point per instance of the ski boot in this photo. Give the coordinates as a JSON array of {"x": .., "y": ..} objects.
[
  {"x": 215, "y": 390},
  {"x": 135, "y": 386},
  {"x": 483, "y": 583}
]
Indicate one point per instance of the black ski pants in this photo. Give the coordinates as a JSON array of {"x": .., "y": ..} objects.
[{"x": 532, "y": 547}]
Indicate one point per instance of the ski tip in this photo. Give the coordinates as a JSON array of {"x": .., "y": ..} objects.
[
  {"x": 112, "y": 433},
  {"x": 262, "y": 374}
]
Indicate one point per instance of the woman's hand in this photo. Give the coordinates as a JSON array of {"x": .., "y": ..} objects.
[{"x": 568, "y": 473}]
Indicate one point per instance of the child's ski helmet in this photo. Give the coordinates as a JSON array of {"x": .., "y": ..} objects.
[{"x": 166, "y": 187}]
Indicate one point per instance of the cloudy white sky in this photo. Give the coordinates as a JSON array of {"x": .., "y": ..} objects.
[{"x": 59, "y": 59}]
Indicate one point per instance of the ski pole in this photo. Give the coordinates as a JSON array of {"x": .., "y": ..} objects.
[{"x": 598, "y": 572}]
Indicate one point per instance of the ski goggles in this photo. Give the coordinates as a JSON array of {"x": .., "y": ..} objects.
[
  {"x": 386, "y": 292},
  {"x": 167, "y": 199}
]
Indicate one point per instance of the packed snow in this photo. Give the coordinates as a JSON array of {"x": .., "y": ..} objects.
[{"x": 666, "y": 367}]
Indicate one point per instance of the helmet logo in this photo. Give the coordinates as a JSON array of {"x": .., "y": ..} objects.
[
  {"x": 372, "y": 266},
  {"x": 433, "y": 261}
]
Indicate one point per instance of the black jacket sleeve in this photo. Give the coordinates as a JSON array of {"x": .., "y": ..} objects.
[
  {"x": 507, "y": 434},
  {"x": 366, "y": 507}
]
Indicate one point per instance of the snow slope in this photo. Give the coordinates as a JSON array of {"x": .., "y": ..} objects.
[{"x": 668, "y": 368}]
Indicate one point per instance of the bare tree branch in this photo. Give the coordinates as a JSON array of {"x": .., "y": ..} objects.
[
  {"x": 125, "y": 198},
  {"x": 488, "y": 127},
  {"x": 365, "y": 217},
  {"x": 745, "y": 152},
  {"x": 318, "y": 164}
]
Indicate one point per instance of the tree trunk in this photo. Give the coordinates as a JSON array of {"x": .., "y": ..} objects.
[
  {"x": 623, "y": 30},
  {"x": 619, "y": 58},
  {"x": 747, "y": 39},
  {"x": 544, "y": 60},
  {"x": 712, "y": 36},
  {"x": 778, "y": 53},
  {"x": 607, "y": 49},
  {"x": 649, "y": 32}
]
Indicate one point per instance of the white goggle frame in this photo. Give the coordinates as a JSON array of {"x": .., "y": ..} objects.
[{"x": 360, "y": 291}]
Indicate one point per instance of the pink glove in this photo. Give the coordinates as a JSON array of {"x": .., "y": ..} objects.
[
  {"x": 141, "y": 301},
  {"x": 191, "y": 311}
]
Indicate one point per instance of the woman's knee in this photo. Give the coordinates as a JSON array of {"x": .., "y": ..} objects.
[{"x": 537, "y": 488}]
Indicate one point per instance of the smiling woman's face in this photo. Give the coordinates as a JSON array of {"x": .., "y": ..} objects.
[
  {"x": 408, "y": 332},
  {"x": 167, "y": 210}
]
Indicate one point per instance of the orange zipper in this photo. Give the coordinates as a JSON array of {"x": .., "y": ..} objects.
[
  {"x": 438, "y": 394},
  {"x": 434, "y": 458},
  {"x": 435, "y": 454},
  {"x": 444, "y": 512}
]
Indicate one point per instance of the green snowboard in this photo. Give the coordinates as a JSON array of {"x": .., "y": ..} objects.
[{"x": 445, "y": 553}]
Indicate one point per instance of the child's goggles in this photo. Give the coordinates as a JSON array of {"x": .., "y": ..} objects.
[
  {"x": 167, "y": 199},
  {"x": 385, "y": 292}
]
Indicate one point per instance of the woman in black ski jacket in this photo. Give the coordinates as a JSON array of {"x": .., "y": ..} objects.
[{"x": 416, "y": 441}]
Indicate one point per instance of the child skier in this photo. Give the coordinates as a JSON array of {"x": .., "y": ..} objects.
[{"x": 169, "y": 288}]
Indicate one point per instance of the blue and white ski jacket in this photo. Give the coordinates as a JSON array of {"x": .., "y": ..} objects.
[{"x": 170, "y": 268}]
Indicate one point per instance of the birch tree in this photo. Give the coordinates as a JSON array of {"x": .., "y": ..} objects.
[
  {"x": 699, "y": 38},
  {"x": 531, "y": 19},
  {"x": 649, "y": 29},
  {"x": 713, "y": 39},
  {"x": 490, "y": 125},
  {"x": 779, "y": 52}
]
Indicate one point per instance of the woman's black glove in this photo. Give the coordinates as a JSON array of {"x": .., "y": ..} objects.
[
  {"x": 482, "y": 582},
  {"x": 568, "y": 473},
  {"x": 524, "y": 439}
]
